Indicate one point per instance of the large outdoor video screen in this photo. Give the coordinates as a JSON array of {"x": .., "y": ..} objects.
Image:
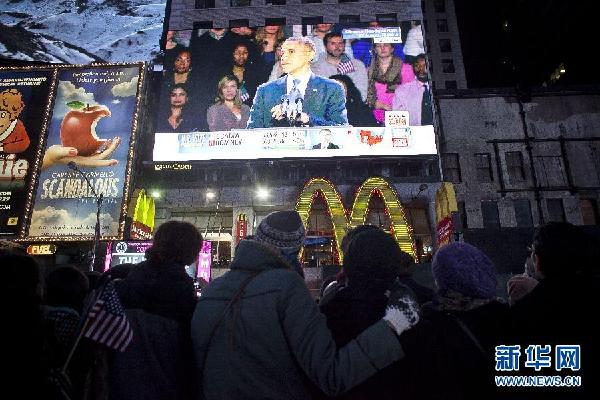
[{"x": 294, "y": 91}]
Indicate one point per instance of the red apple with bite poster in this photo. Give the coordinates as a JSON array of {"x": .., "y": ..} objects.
[{"x": 78, "y": 129}]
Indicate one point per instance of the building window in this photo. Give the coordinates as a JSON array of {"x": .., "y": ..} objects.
[
  {"x": 589, "y": 211},
  {"x": 483, "y": 164},
  {"x": 448, "y": 66},
  {"x": 349, "y": 19},
  {"x": 238, "y": 23},
  {"x": 312, "y": 20},
  {"x": 275, "y": 3},
  {"x": 450, "y": 85},
  {"x": 204, "y": 4},
  {"x": 523, "y": 212},
  {"x": 203, "y": 25},
  {"x": 442, "y": 25},
  {"x": 275, "y": 21},
  {"x": 347, "y": 1},
  {"x": 240, "y": 3},
  {"x": 556, "y": 210},
  {"x": 445, "y": 45},
  {"x": 462, "y": 210},
  {"x": 311, "y": 1},
  {"x": 387, "y": 18},
  {"x": 439, "y": 6},
  {"x": 451, "y": 167},
  {"x": 514, "y": 166},
  {"x": 489, "y": 212},
  {"x": 550, "y": 171}
]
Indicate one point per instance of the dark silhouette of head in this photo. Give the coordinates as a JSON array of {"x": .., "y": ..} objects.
[
  {"x": 352, "y": 93},
  {"x": 353, "y": 232},
  {"x": 372, "y": 261},
  {"x": 562, "y": 250},
  {"x": 67, "y": 287},
  {"x": 175, "y": 242}
]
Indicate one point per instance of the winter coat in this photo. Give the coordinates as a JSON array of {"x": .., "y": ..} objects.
[
  {"x": 159, "y": 301},
  {"x": 464, "y": 367},
  {"x": 560, "y": 312},
  {"x": 275, "y": 337},
  {"x": 349, "y": 312}
]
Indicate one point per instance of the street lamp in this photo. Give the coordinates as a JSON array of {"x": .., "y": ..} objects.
[{"x": 262, "y": 193}]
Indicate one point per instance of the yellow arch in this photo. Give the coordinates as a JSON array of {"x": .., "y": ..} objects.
[
  {"x": 445, "y": 201},
  {"x": 334, "y": 205},
  {"x": 400, "y": 229}
]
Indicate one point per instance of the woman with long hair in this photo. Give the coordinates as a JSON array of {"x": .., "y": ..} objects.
[
  {"x": 177, "y": 118},
  {"x": 268, "y": 38},
  {"x": 228, "y": 112},
  {"x": 385, "y": 73},
  {"x": 359, "y": 114}
]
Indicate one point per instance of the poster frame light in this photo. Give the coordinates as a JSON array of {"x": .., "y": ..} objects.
[{"x": 133, "y": 138}]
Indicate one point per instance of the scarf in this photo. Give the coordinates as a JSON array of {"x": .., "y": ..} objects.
[
  {"x": 455, "y": 301},
  {"x": 391, "y": 78}
]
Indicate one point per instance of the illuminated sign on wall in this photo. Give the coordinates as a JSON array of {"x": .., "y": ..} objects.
[
  {"x": 142, "y": 224},
  {"x": 399, "y": 228},
  {"x": 41, "y": 249}
]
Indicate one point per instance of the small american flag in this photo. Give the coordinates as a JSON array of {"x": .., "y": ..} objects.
[
  {"x": 345, "y": 66},
  {"x": 107, "y": 322}
]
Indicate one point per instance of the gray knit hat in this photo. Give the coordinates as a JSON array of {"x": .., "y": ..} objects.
[{"x": 281, "y": 229}]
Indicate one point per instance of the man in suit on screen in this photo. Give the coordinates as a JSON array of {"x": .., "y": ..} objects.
[{"x": 300, "y": 98}]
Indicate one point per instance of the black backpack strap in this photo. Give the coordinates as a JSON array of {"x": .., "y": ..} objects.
[{"x": 469, "y": 333}]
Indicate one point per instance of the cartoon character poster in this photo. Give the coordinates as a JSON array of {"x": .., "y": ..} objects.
[
  {"x": 91, "y": 128},
  {"x": 24, "y": 97}
]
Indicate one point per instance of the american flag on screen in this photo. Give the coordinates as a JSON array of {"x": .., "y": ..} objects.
[
  {"x": 345, "y": 66},
  {"x": 107, "y": 323}
]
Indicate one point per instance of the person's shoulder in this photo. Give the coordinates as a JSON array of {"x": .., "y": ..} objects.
[
  {"x": 326, "y": 82},
  {"x": 272, "y": 84},
  {"x": 358, "y": 63}
]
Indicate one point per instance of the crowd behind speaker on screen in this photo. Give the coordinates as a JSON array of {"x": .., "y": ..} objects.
[
  {"x": 414, "y": 95},
  {"x": 180, "y": 115},
  {"x": 228, "y": 112},
  {"x": 254, "y": 56},
  {"x": 336, "y": 61},
  {"x": 246, "y": 72}
]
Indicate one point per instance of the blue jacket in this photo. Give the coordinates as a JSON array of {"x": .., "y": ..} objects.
[{"x": 324, "y": 102}]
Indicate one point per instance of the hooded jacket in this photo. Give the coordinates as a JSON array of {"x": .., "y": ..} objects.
[
  {"x": 274, "y": 338},
  {"x": 159, "y": 301}
]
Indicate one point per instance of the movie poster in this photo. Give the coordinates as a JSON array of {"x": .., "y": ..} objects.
[
  {"x": 24, "y": 97},
  {"x": 92, "y": 125}
]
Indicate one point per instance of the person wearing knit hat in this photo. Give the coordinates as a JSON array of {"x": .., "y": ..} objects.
[
  {"x": 463, "y": 268},
  {"x": 467, "y": 319},
  {"x": 257, "y": 332},
  {"x": 284, "y": 232}
]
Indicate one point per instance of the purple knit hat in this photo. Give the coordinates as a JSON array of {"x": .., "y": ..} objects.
[{"x": 464, "y": 268}]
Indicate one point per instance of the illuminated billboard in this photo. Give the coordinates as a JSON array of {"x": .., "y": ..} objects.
[
  {"x": 87, "y": 153},
  {"x": 294, "y": 91},
  {"x": 24, "y": 102}
]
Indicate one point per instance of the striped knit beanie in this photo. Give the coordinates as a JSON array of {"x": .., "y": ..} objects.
[{"x": 283, "y": 230}]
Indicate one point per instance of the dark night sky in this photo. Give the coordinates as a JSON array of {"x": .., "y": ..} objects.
[{"x": 540, "y": 34}]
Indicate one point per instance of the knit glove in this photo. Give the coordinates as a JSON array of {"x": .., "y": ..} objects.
[{"x": 402, "y": 311}]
